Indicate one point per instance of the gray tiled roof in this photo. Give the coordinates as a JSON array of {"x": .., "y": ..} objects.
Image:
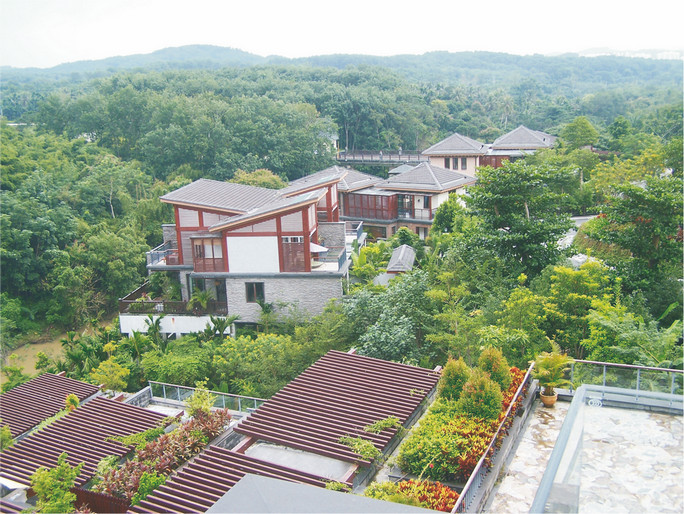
[
  {"x": 356, "y": 180},
  {"x": 314, "y": 180},
  {"x": 429, "y": 178},
  {"x": 523, "y": 138},
  {"x": 402, "y": 259},
  {"x": 224, "y": 196},
  {"x": 274, "y": 206},
  {"x": 456, "y": 144}
]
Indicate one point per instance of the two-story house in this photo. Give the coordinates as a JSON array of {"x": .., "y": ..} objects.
[
  {"x": 407, "y": 199},
  {"x": 458, "y": 152},
  {"x": 248, "y": 246}
]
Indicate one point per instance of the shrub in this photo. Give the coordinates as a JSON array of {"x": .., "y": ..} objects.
[
  {"x": 148, "y": 482},
  {"x": 481, "y": 396},
  {"x": 454, "y": 376},
  {"x": 363, "y": 447},
  {"x": 493, "y": 362},
  {"x": 52, "y": 486},
  {"x": 419, "y": 493},
  {"x": 6, "y": 439},
  {"x": 382, "y": 424},
  {"x": 200, "y": 401},
  {"x": 163, "y": 455},
  {"x": 447, "y": 445}
]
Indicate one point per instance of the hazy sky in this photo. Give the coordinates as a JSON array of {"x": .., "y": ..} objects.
[{"x": 45, "y": 33}]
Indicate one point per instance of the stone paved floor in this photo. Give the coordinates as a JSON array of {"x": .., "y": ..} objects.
[
  {"x": 518, "y": 483},
  {"x": 631, "y": 462}
]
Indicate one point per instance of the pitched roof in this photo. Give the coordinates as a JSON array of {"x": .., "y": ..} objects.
[
  {"x": 523, "y": 138},
  {"x": 314, "y": 181},
  {"x": 339, "y": 395},
  {"x": 83, "y": 434},
  {"x": 402, "y": 259},
  {"x": 206, "y": 478},
  {"x": 222, "y": 196},
  {"x": 355, "y": 180},
  {"x": 25, "y": 406},
  {"x": 264, "y": 211},
  {"x": 427, "y": 178},
  {"x": 457, "y": 144}
]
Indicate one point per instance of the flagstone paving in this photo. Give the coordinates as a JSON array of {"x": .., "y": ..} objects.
[{"x": 632, "y": 461}]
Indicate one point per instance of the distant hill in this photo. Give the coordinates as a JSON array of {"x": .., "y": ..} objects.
[{"x": 570, "y": 73}]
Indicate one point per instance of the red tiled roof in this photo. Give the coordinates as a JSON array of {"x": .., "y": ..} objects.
[
  {"x": 209, "y": 476},
  {"x": 339, "y": 395},
  {"x": 83, "y": 434},
  {"x": 27, "y": 405}
]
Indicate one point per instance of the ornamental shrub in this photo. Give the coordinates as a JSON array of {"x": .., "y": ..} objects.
[
  {"x": 481, "y": 396},
  {"x": 447, "y": 445},
  {"x": 454, "y": 376},
  {"x": 493, "y": 362}
]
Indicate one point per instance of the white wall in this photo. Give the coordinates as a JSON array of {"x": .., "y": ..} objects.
[
  {"x": 253, "y": 254},
  {"x": 170, "y": 324}
]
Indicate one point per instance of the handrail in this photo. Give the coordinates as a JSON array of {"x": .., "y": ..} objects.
[
  {"x": 480, "y": 469},
  {"x": 256, "y": 402},
  {"x": 630, "y": 366}
]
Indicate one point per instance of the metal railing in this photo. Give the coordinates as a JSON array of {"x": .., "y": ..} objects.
[
  {"x": 177, "y": 393},
  {"x": 166, "y": 252},
  {"x": 640, "y": 379},
  {"x": 470, "y": 490}
]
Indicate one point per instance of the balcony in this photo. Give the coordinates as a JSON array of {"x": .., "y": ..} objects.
[
  {"x": 166, "y": 254},
  {"x": 138, "y": 302}
]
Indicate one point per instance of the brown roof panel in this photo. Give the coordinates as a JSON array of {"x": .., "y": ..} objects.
[
  {"x": 25, "y": 406},
  {"x": 210, "y": 475},
  {"x": 339, "y": 395},
  {"x": 83, "y": 434}
]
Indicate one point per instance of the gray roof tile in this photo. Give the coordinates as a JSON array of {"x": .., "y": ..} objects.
[
  {"x": 523, "y": 138},
  {"x": 457, "y": 144}
]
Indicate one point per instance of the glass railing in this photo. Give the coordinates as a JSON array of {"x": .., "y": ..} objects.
[
  {"x": 176, "y": 393},
  {"x": 560, "y": 489}
]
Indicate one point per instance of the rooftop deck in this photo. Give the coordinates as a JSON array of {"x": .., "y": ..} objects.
[{"x": 628, "y": 461}]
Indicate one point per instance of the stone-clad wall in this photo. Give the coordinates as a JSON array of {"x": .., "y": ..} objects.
[{"x": 309, "y": 293}]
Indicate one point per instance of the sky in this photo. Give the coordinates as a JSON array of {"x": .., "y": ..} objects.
[{"x": 45, "y": 33}]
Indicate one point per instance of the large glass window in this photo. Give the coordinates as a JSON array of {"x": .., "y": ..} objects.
[{"x": 464, "y": 163}]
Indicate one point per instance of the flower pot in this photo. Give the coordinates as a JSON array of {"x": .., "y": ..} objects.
[{"x": 548, "y": 400}]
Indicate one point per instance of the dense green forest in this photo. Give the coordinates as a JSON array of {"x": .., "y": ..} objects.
[{"x": 87, "y": 159}]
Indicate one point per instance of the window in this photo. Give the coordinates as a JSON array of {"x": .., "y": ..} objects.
[
  {"x": 254, "y": 292},
  {"x": 464, "y": 163},
  {"x": 426, "y": 202},
  {"x": 447, "y": 162}
]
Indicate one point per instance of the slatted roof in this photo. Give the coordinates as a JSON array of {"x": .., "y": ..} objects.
[
  {"x": 197, "y": 486},
  {"x": 339, "y": 395},
  {"x": 27, "y": 405},
  {"x": 82, "y": 434},
  {"x": 8, "y": 506}
]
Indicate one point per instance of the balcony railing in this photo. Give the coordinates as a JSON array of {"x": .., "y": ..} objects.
[
  {"x": 354, "y": 229},
  {"x": 336, "y": 255},
  {"x": 164, "y": 254},
  {"x": 138, "y": 302},
  {"x": 176, "y": 393}
]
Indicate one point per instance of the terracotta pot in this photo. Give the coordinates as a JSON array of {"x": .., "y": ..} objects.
[{"x": 549, "y": 400}]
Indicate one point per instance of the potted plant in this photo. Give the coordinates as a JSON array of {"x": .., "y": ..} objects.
[
  {"x": 549, "y": 369},
  {"x": 199, "y": 301}
]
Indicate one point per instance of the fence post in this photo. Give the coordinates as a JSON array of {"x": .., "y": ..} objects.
[
  {"x": 637, "y": 384},
  {"x": 178, "y": 393},
  {"x": 164, "y": 390},
  {"x": 239, "y": 404}
]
